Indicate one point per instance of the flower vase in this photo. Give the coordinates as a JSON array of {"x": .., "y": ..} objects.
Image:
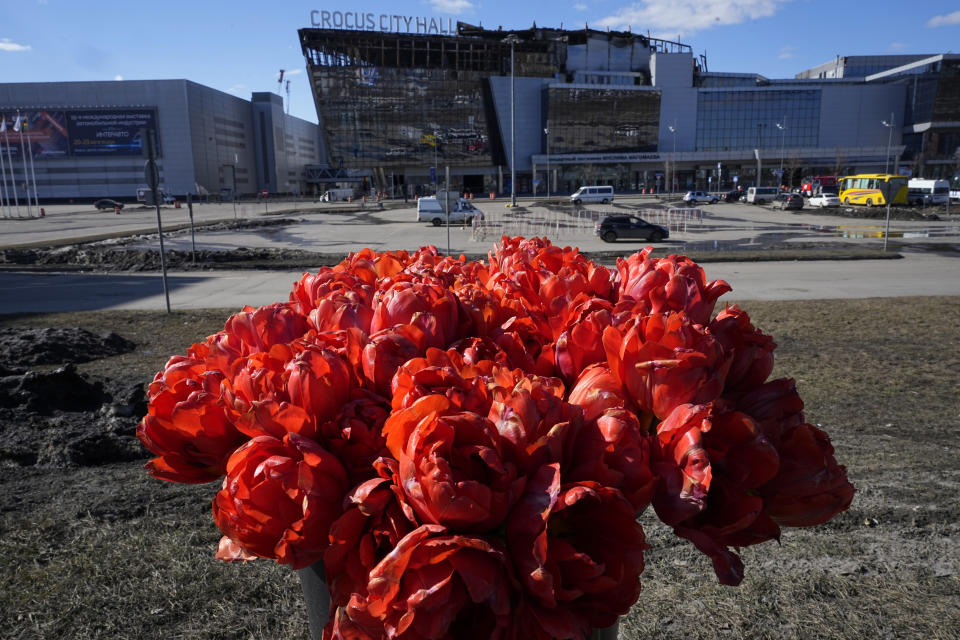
[
  {"x": 317, "y": 599},
  {"x": 316, "y": 596}
]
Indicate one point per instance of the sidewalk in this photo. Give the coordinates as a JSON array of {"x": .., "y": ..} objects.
[{"x": 915, "y": 275}]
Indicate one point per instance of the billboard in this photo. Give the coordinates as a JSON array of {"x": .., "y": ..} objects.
[
  {"x": 45, "y": 134},
  {"x": 114, "y": 132},
  {"x": 58, "y": 133}
]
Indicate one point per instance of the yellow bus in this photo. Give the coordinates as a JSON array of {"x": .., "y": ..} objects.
[{"x": 869, "y": 189}]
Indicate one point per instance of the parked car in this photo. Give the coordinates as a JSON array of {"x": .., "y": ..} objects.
[
  {"x": 733, "y": 196},
  {"x": 625, "y": 226},
  {"x": 693, "y": 197},
  {"x": 825, "y": 200},
  {"x": 599, "y": 193},
  {"x": 788, "y": 201},
  {"x": 429, "y": 209},
  {"x": 107, "y": 203},
  {"x": 759, "y": 195}
]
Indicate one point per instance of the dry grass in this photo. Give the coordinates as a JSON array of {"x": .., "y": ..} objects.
[{"x": 107, "y": 552}]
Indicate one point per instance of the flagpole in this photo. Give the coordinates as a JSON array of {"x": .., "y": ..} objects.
[
  {"x": 23, "y": 154},
  {"x": 33, "y": 172},
  {"x": 13, "y": 181},
  {"x": 4, "y": 197}
]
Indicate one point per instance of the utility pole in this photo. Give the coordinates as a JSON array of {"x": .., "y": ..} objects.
[
  {"x": 152, "y": 175},
  {"x": 546, "y": 133},
  {"x": 673, "y": 157},
  {"x": 512, "y": 40},
  {"x": 783, "y": 135},
  {"x": 889, "y": 125}
]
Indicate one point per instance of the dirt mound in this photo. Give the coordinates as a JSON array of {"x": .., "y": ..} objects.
[
  {"x": 90, "y": 258},
  {"x": 63, "y": 417},
  {"x": 29, "y": 347},
  {"x": 880, "y": 213}
]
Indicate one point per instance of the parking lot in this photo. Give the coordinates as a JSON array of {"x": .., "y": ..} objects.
[{"x": 339, "y": 228}]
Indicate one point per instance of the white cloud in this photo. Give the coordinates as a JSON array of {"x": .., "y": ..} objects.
[
  {"x": 6, "y": 44},
  {"x": 786, "y": 52},
  {"x": 947, "y": 20},
  {"x": 688, "y": 16},
  {"x": 235, "y": 88},
  {"x": 580, "y": 6},
  {"x": 118, "y": 77},
  {"x": 455, "y": 7},
  {"x": 896, "y": 46},
  {"x": 293, "y": 72}
]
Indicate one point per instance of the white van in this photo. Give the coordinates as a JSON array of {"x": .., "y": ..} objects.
[
  {"x": 336, "y": 195},
  {"x": 927, "y": 192},
  {"x": 430, "y": 210},
  {"x": 758, "y": 195},
  {"x": 602, "y": 194}
]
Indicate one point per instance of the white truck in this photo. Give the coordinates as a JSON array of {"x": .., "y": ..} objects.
[
  {"x": 336, "y": 195},
  {"x": 927, "y": 192},
  {"x": 430, "y": 209}
]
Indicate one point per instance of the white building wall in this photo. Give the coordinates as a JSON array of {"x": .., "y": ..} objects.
[
  {"x": 671, "y": 69},
  {"x": 529, "y": 116},
  {"x": 852, "y": 115},
  {"x": 678, "y": 109}
]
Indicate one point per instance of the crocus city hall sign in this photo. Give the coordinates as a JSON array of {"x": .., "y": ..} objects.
[{"x": 361, "y": 21}]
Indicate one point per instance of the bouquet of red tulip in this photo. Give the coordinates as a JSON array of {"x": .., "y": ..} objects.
[{"x": 467, "y": 445}]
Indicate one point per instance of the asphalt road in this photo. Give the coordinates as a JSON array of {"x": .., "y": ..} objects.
[{"x": 920, "y": 272}]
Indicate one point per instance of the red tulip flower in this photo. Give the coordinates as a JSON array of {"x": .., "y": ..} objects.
[
  {"x": 186, "y": 425},
  {"x": 664, "y": 360},
  {"x": 580, "y": 343},
  {"x": 319, "y": 381},
  {"x": 355, "y": 435},
  {"x": 386, "y": 351},
  {"x": 455, "y": 469},
  {"x": 536, "y": 424},
  {"x": 674, "y": 283},
  {"x": 373, "y": 523},
  {"x": 280, "y": 497},
  {"x": 598, "y": 389},
  {"x": 750, "y": 350},
  {"x": 435, "y": 584},
  {"x": 810, "y": 487},
  {"x": 430, "y": 308},
  {"x": 741, "y": 460},
  {"x": 261, "y": 328},
  {"x": 578, "y": 552},
  {"x": 614, "y": 451}
]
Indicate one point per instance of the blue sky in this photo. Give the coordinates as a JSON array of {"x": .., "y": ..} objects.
[{"x": 240, "y": 46}]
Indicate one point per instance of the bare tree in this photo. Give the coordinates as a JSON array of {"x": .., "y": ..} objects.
[
  {"x": 793, "y": 163},
  {"x": 839, "y": 164}
]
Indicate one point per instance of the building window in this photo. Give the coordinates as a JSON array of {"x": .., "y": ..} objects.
[{"x": 733, "y": 120}]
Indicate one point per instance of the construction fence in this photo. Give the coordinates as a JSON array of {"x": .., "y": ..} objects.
[{"x": 559, "y": 224}]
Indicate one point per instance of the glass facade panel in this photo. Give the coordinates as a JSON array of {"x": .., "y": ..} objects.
[
  {"x": 732, "y": 120},
  {"x": 947, "y": 105},
  {"x": 583, "y": 120},
  {"x": 394, "y": 118}
]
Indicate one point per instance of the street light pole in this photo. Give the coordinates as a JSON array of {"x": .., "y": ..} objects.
[
  {"x": 546, "y": 132},
  {"x": 889, "y": 125},
  {"x": 673, "y": 157},
  {"x": 783, "y": 135},
  {"x": 512, "y": 39}
]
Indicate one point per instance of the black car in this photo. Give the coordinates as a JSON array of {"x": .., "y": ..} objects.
[
  {"x": 107, "y": 203},
  {"x": 788, "y": 201},
  {"x": 624, "y": 226},
  {"x": 733, "y": 196}
]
